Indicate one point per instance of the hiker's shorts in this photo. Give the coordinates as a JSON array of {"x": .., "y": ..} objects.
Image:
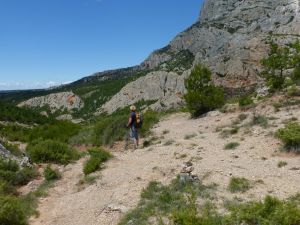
[{"x": 134, "y": 133}]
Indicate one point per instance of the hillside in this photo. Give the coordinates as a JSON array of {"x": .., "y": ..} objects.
[{"x": 175, "y": 140}]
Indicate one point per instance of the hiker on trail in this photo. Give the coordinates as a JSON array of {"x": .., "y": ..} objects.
[{"x": 134, "y": 123}]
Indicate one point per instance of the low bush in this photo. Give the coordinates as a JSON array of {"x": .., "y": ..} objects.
[
  {"x": 231, "y": 146},
  {"x": 51, "y": 174},
  {"x": 245, "y": 101},
  {"x": 97, "y": 157},
  {"x": 290, "y": 136},
  {"x": 57, "y": 130},
  {"x": 50, "y": 151},
  {"x": 11, "y": 173},
  {"x": 260, "y": 120},
  {"x": 178, "y": 200},
  {"x": 11, "y": 211},
  {"x": 281, "y": 164},
  {"x": 238, "y": 184}
]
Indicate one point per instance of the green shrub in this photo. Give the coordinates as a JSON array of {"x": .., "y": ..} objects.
[
  {"x": 293, "y": 91},
  {"x": 245, "y": 101},
  {"x": 238, "y": 184},
  {"x": 231, "y": 146},
  {"x": 269, "y": 212},
  {"x": 10, "y": 172},
  {"x": 290, "y": 136},
  {"x": 51, "y": 174},
  {"x": 6, "y": 188},
  {"x": 97, "y": 157},
  {"x": 11, "y": 212},
  {"x": 51, "y": 152},
  {"x": 158, "y": 201},
  {"x": 12, "y": 113},
  {"x": 57, "y": 130},
  {"x": 227, "y": 132},
  {"x": 281, "y": 164},
  {"x": 260, "y": 120},
  {"x": 202, "y": 96}
]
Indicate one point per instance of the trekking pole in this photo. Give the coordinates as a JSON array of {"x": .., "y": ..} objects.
[{"x": 126, "y": 139}]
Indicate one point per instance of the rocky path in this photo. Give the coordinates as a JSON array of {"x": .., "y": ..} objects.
[{"x": 179, "y": 139}]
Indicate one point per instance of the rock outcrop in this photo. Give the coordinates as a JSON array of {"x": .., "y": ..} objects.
[
  {"x": 55, "y": 101},
  {"x": 166, "y": 88},
  {"x": 230, "y": 37},
  {"x": 6, "y": 155}
]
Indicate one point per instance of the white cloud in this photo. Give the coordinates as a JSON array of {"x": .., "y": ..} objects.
[{"x": 36, "y": 85}]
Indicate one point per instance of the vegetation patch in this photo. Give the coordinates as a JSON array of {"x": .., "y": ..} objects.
[
  {"x": 260, "y": 120},
  {"x": 51, "y": 174},
  {"x": 290, "y": 136},
  {"x": 189, "y": 136},
  {"x": 245, "y": 102},
  {"x": 231, "y": 146},
  {"x": 238, "y": 184},
  {"x": 12, "y": 113},
  {"x": 97, "y": 158},
  {"x": 228, "y": 132},
  {"x": 50, "y": 151},
  {"x": 177, "y": 204},
  {"x": 11, "y": 173},
  {"x": 173, "y": 201},
  {"x": 281, "y": 164}
]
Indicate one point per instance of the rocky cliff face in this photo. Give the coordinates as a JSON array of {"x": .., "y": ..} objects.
[
  {"x": 230, "y": 37},
  {"x": 166, "y": 88},
  {"x": 62, "y": 100}
]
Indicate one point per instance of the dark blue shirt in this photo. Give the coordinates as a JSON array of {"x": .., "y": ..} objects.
[{"x": 133, "y": 119}]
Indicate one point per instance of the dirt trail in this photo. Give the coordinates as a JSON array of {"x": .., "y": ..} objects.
[{"x": 124, "y": 177}]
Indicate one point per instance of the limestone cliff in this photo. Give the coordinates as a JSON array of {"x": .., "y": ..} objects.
[
  {"x": 230, "y": 37},
  {"x": 55, "y": 101}
]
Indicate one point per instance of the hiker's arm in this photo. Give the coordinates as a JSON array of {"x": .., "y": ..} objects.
[{"x": 129, "y": 122}]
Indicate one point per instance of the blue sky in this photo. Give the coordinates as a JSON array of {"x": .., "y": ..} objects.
[{"x": 46, "y": 42}]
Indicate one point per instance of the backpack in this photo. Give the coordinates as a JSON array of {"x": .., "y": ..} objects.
[{"x": 138, "y": 120}]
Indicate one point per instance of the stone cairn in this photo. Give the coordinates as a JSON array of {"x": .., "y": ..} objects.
[{"x": 186, "y": 173}]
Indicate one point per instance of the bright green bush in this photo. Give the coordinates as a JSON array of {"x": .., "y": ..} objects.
[
  {"x": 290, "y": 136},
  {"x": 11, "y": 212},
  {"x": 202, "y": 96},
  {"x": 50, "y": 151},
  {"x": 245, "y": 101},
  {"x": 51, "y": 174},
  {"x": 97, "y": 157}
]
